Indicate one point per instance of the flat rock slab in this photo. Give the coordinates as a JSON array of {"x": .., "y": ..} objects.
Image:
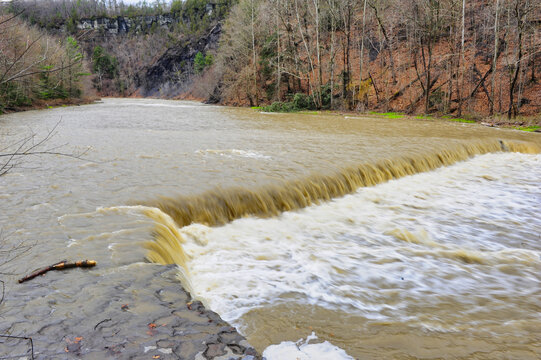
[{"x": 139, "y": 311}]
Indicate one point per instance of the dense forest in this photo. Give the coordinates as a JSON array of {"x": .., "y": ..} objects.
[
  {"x": 417, "y": 56},
  {"x": 471, "y": 58}
]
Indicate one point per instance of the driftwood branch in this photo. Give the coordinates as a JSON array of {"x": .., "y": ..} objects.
[
  {"x": 480, "y": 83},
  {"x": 375, "y": 87},
  {"x": 64, "y": 264},
  {"x": 420, "y": 97},
  {"x": 101, "y": 322},
  {"x": 403, "y": 90}
]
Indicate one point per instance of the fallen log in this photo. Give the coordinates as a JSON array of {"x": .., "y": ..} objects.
[
  {"x": 64, "y": 264},
  {"x": 411, "y": 107}
]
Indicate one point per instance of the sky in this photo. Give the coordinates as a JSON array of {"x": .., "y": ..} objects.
[{"x": 125, "y": 1}]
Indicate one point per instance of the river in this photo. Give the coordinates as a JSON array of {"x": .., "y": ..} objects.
[{"x": 374, "y": 238}]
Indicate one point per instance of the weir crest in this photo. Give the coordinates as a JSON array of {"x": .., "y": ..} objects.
[{"x": 220, "y": 206}]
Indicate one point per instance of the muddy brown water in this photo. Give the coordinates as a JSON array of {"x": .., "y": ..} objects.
[{"x": 272, "y": 226}]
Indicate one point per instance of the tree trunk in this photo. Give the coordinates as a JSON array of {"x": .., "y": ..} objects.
[
  {"x": 278, "y": 70},
  {"x": 306, "y": 48},
  {"x": 254, "y": 56},
  {"x": 387, "y": 40},
  {"x": 331, "y": 64},
  {"x": 494, "y": 59},
  {"x": 512, "y": 112},
  {"x": 362, "y": 46},
  {"x": 318, "y": 52},
  {"x": 462, "y": 60}
]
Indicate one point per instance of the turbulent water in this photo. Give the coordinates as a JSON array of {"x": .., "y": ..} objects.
[
  {"x": 455, "y": 257},
  {"x": 364, "y": 237}
]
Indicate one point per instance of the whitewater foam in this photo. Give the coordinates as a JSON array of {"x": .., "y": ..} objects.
[{"x": 305, "y": 349}]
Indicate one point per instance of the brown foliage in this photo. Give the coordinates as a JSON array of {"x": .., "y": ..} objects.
[{"x": 414, "y": 56}]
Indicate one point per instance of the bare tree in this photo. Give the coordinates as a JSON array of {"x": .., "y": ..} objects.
[
  {"x": 311, "y": 79},
  {"x": 254, "y": 52},
  {"x": 35, "y": 65},
  {"x": 379, "y": 7},
  {"x": 495, "y": 57},
  {"x": 521, "y": 11}
]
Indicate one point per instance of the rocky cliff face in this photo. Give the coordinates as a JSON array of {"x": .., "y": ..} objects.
[
  {"x": 172, "y": 73},
  {"x": 165, "y": 70},
  {"x": 124, "y": 25}
]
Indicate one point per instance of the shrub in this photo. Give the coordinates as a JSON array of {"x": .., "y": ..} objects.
[
  {"x": 303, "y": 102},
  {"x": 326, "y": 94},
  {"x": 201, "y": 62},
  {"x": 279, "y": 106},
  {"x": 104, "y": 64},
  {"x": 12, "y": 96},
  {"x": 47, "y": 88},
  {"x": 300, "y": 102}
]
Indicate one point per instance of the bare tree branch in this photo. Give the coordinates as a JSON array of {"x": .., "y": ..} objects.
[
  {"x": 13, "y": 17},
  {"x": 27, "y": 147},
  {"x": 16, "y": 61}
]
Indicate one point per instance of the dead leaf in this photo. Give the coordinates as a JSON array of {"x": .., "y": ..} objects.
[{"x": 151, "y": 326}]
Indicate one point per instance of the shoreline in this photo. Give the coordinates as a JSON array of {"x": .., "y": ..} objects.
[
  {"x": 158, "y": 321},
  {"x": 531, "y": 123},
  {"x": 53, "y": 103}
]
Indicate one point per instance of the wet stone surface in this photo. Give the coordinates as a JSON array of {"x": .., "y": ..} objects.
[{"x": 139, "y": 311}]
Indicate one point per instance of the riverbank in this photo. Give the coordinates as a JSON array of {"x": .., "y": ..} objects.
[
  {"x": 531, "y": 123},
  {"x": 53, "y": 103},
  {"x": 169, "y": 325},
  {"x": 525, "y": 123}
]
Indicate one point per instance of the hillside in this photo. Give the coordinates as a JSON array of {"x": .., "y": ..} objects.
[
  {"x": 447, "y": 57},
  {"x": 385, "y": 55},
  {"x": 135, "y": 50}
]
